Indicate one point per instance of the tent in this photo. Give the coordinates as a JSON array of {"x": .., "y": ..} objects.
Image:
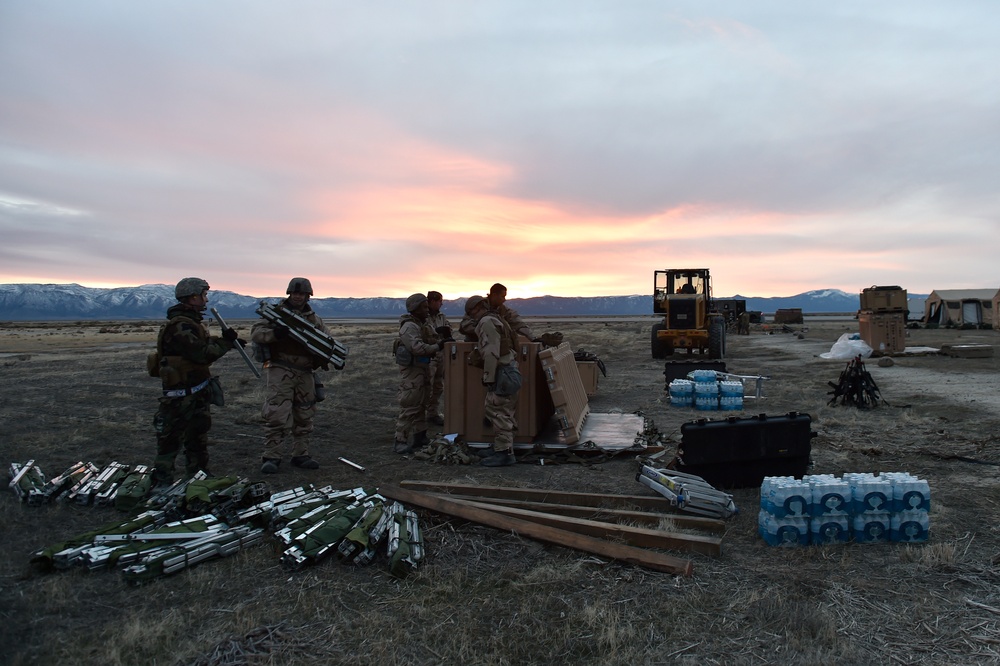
[
  {"x": 960, "y": 306},
  {"x": 996, "y": 304}
]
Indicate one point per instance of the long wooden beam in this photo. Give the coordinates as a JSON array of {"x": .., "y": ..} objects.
[
  {"x": 543, "y": 495},
  {"x": 714, "y": 525},
  {"x": 634, "y": 536},
  {"x": 631, "y": 554}
]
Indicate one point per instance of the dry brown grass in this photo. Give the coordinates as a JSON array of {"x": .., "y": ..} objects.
[{"x": 71, "y": 393}]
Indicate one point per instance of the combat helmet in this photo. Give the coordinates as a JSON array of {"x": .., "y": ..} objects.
[
  {"x": 413, "y": 302},
  {"x": 472, "y": 303},
  {"x": 190, "y": 286},
  {"x": 299, "y": 285}
]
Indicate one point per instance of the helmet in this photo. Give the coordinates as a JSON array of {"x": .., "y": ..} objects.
[
  {"x": 414, "y": 301},
  {"x": 299, "y": 285},
  {"x": 190, "y": 286},
  {"x": 472, "y": 303}
]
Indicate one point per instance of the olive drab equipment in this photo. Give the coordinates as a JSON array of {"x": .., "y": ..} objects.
[{"x": 319, "y": 343}]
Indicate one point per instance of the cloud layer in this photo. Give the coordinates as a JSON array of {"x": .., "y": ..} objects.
[{"x": 563, "y": 148}]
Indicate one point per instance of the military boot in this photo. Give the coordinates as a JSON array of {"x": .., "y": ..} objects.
[
  {"x": 420, "y": 439},
  {"x": 401, "y": 446},
  {"x": 499, "y": 459},
  {"x": 305, "y": 462},
  {"x": 270, "y": 466}
]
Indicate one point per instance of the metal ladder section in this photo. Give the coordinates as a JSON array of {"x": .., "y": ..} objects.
[
  {"x": 303, "y": 331},
  {"x": 689, "y": 493}
]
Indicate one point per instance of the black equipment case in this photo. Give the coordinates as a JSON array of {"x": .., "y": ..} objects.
[{"x": 739, "y": 452}]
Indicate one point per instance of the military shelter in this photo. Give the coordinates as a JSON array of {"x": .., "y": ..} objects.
[{"x": 960, "y": 306}]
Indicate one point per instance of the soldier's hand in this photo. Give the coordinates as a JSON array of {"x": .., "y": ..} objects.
[
  {"x": 442, "y": 343},
  {"x": 281, "y": 331},
  {"x": 230, "y": 334},
  {"x": 240, "y": 341},
  {"x": 445, "y": 332}
]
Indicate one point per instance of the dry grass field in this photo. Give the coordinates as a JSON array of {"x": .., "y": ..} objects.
[{"x": 78, "y": 391}]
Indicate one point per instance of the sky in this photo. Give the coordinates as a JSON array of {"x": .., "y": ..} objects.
[{"x": 561, "y": 147}]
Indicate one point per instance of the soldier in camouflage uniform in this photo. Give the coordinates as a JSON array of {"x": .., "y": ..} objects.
[
  {"x": 496, "y": 300},
  {"x": 439, "y": 322},
  {"x": 497, "y": 344},
  {"x": 416, "y": 345},
  {"x": 290, "y": 403},
  {"x": 186, "y": 351}
]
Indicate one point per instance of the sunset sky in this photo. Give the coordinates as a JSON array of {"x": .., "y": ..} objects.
[{"x": 567, "y": 147}]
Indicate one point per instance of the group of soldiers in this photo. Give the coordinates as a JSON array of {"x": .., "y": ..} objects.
[{"x": 187, "y": 350}]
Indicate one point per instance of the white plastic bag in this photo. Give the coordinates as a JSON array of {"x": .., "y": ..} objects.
[{"x": 848, "y": 347}]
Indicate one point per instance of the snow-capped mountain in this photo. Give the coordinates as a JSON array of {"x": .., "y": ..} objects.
[{"x": 57, "y": 302}]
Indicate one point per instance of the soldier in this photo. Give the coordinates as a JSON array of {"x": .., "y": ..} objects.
[
  {"x": 439, "y": 322},
  {"x": 292, "y": 389},
  {"x": 497, "y": 303},
  {"x": 743, "y": 323},
  {"x": 186, "y": 351},
  {"x": 416, "y": 345},
  {"x": 501, "y": 377}
]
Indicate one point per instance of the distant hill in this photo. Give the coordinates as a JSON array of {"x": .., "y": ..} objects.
[{"x": 60, "y": 302}]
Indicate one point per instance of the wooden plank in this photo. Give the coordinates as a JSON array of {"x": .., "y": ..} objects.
[
  {"x": 640, "y": 537},
  {"x": 631, "y": 554},
  {"x": 610, "y": 515},
  {"x": 541, "y": 495}
]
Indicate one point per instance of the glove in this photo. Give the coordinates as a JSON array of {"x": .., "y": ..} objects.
[
  {"x": 551, "y": 339},
  {"x": 442, "y": 343},
  {"x": 281, "y": 332},
  {"x": 445, "y": 332},
  {"x": 240, "y": 341},
  {"x": 231, "y": 335}
]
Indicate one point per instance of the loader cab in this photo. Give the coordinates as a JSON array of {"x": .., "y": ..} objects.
[{"x": 683, "y": 298}]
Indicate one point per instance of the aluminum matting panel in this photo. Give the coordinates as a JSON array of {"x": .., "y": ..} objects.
[{"x": 569, "y": 398}]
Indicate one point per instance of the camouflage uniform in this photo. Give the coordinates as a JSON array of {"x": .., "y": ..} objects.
[
  {"x": 290, "y": 402},
  {"x": 497, "y": 344},
  {"x": 184, "y": 415},
  {"x": 435, "y": 321},
  {"x": 509, "y": 315},
  {"x": 421, "y": 342}
]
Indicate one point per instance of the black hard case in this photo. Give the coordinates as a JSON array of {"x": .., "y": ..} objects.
[{"x": 739, "y": 452}]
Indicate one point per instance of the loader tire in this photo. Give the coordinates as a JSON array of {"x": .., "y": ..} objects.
[
  {"x": 716, "y": 339},
  {"x": 657, "y": 346}
]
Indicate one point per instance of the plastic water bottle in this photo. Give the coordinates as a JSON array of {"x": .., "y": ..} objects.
[
  {"x": 706, "y": 376},
  {"x": 681, "y": 393},
  {"x": 871, "y": 494},
  {"x": 911, "y": 494},
  {"x": 730, "y": 395},
  {"x": 787, "y": 531},
  {"x": 830, "y": 497},
  {"x": 871, "y": 527},
  {"x": 830, "y": 529},
  {"x": 706, "y": 395},
  {"x": 909, "y": 526},
  {"x": 790, "y": 498}
]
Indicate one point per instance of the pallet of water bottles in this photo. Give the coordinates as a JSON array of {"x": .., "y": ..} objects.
[
  {"x": 705, "y": 391},
  {"x": 860, "y": 507}
]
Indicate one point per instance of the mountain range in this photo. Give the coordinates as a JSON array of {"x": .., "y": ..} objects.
[{"x": 59, "y": 302}]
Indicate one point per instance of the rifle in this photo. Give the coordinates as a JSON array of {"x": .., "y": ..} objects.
[
  {"x": 318, "y": 342},
  {"x": 237, "y": 345}
]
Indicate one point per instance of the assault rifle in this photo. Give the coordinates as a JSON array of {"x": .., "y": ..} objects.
[
  {"x": 237, "y": 345},
  {"x": 318, "y": 342}
]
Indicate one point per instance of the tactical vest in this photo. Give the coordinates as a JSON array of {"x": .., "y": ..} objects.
[
  {"x": 427, "y": 334},
  {"x": 177, "y": 371}
]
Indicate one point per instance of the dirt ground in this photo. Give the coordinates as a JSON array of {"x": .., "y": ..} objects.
[{"x": 78, "y": 391}]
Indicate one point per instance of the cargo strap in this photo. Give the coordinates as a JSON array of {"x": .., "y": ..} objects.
[{"x": 180, "y": 393}]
